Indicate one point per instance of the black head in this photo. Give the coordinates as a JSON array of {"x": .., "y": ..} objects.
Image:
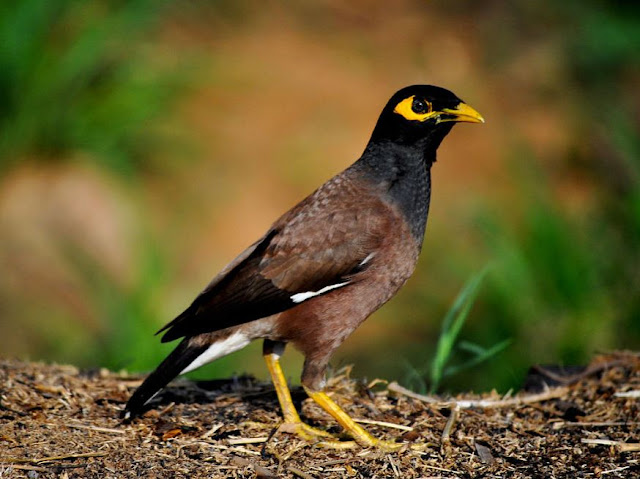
[{"x": 422, "y": 114}]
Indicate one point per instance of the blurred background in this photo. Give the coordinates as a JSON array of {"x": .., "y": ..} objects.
[{"x": 144, "y": 144}]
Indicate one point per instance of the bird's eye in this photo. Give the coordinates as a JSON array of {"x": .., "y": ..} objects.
[
  {"x": 420, "y": 106},
  {"x": 414, "y": 108}
]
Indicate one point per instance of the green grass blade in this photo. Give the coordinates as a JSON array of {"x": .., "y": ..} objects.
[
  {"x": 451, "y": 326},
  {"x": 477, "y": 359}
]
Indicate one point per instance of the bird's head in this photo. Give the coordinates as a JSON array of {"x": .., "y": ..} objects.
[{"x": 422, "y": 113}]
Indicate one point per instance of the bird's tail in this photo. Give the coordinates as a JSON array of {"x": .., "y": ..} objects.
[{"x": 174, "y": 364}]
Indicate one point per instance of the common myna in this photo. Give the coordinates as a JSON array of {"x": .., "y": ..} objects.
[{"x": 325, "y": 265}]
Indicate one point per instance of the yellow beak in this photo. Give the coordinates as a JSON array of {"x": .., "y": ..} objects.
[{"x": 461, "y": 113}]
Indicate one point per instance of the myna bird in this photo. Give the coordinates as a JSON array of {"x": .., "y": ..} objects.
[{"x": 325, "y": 265}]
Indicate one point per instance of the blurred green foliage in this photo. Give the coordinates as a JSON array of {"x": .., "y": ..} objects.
[
  {"x": 85, "y": 80},
  {"x": 74, "y": 80},
  {"x": 127, "y": 313},
  {"x": 568, "y": 285}
]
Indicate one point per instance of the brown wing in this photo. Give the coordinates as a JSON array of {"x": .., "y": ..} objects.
[{"x": 320, "y": 243}]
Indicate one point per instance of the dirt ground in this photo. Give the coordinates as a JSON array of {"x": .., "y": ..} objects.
[{"x": 58, "y": 421}]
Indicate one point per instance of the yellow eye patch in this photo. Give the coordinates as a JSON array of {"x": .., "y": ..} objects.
[{"x": 406, "y": 109}]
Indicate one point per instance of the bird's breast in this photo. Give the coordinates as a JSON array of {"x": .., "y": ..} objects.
[{"x": 322, "y": 323}]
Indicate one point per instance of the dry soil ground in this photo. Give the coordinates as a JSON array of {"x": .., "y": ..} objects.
[{"x": 57, "y": 421}]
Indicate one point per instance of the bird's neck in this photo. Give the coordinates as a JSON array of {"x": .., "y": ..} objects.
[{"x": 404, "y": 173}]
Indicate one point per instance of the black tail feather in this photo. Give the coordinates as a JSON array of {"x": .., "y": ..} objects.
[{"x": 172, "y": 366}]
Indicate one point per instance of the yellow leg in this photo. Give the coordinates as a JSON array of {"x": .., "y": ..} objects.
[
  {"x": 292, "y": 422},
  {"x": 359, "y": 434}
]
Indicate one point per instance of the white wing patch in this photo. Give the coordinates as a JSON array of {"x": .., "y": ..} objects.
[
  {"x": 300, "y": 297},
  {"x": 218, "y": 349},
  {"x": 367, "y": 259}
]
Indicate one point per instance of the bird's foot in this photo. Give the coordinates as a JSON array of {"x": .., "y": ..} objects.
[
  {"x": 321, "y": 438},
  {"x": 317, "y": 437},
  {"x": 360, "y": 435},
  {"x": 304, "y": 431},
  {"x": 364, "y": 439},
  {"x": 378, "y": 444},
  {"x": 371, "y": 442}
]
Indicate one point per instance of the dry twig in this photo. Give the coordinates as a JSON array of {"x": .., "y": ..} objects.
[
  {"x": 247, "y": 440},
  {"x": 628, "y": 394},
  {"x": 563, "y": 424},
  {"x": 299, "y": 473},
  {"x": 619, "y": 445},
  {"x": 483, "y": 403},
  {"x": 42, "y": 460},
  {"x": 92, "y": 428},
  {"x": 453, "y": 418},
  {"x": 384, "y": 424}
]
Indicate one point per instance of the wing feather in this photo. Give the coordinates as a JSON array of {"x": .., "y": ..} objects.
[{"x": 322, "y": 242}]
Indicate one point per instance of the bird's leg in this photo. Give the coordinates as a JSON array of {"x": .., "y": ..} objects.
[
  {"x": 292, "y": 423},
  {"x": 357, "y": 432}
]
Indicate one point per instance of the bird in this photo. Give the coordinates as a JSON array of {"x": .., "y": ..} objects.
[{"x": 324, "y": 266}]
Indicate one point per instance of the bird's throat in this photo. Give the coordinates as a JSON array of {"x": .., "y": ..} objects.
[
  {"x": 404, "y": 173},
  {"x": 411, "y": 192}
]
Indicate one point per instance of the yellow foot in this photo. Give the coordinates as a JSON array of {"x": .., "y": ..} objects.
[
  {"x": 317, "y": 437},
  {"x": 353, "y": 429},
  {"x": 304, "y": 431},
  {"x": 364, "y": 439},
  {"x": 386, "y": 446},
  {"x": 382, "y": 445},
  {"x": 327, "y": 440}
]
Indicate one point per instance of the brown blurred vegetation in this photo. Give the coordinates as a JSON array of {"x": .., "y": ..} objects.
[{"x": 201, "y": 122}]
